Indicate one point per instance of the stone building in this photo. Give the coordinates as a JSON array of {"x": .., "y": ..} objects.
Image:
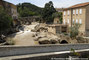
[
  {"x": 57, "y": 28},
  {"x": 56, "y": 20},
  {"x": 78, "y": 14},
  {"x": 59, "y": 9}
]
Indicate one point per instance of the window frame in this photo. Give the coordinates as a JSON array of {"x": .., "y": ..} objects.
[
  {"x": 68, "y": 12},
  {"x": 68, "y": 21},
  {"x": 77, "y": 11},
  {"x": 80, "y": 11},
  {"x": 73, "y": 11},
  {"x": 64, "y": 13},
  {"x": 76, "y": 20},
  {"x": 80, "y": 21}
]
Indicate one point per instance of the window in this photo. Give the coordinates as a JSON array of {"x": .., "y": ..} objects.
[
  {"x": 76, "y": 20},
  {"x": 80, "y": 21},
  {"x": 64, "y": 12},
  {"x": 76, "y": 11},
  {"x": 68, "y": 12},
  {"x": 64, "y": 21},
  {"x": 73, "y": 11},
  {"x": 68, "y": 21},
  {"x": 73, "y": 20},
  {"x": 80, "y": 11}
]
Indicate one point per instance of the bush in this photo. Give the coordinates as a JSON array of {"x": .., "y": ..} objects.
[{"x": 74, "y": 30}]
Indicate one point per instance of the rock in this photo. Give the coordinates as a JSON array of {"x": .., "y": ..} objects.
[
  {"x": 53, "y": 41},
  {"x": 2, "y": 41},
  {"x": 44, "y": 40},
  {"x": 81, "y": 39}
]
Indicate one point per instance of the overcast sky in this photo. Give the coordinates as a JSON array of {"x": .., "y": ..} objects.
[{"x": 57, "y": 3}]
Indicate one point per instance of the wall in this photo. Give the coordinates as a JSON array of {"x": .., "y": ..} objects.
[
  {"x": 76, "y": 16},
  {"x": 80, "y": 16},
  {"x": 87, "y": 21},
  {"x": 66, "y": 17},
  {"x": 22, "y": 50}
]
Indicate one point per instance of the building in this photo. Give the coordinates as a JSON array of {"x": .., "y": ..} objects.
[
  {"x": 56, "y": 20},
  {"x": 59, "y": 9},
  {"x": 57, "y": 28},
  {"x": 78, "y": 14}
]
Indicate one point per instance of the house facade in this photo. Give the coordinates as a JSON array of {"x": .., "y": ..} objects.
[
  {"x": 78, "y": 14},
  {"x": 57, "y": 28},
  {"x": 59, "y": 9}
]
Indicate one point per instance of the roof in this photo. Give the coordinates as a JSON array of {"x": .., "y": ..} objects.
[{"x": 78, "y": 5}]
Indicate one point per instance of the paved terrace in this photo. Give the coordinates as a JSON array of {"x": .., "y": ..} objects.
[{"x": 24, "y": 50}]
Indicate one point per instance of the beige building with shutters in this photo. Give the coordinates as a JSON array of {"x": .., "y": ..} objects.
[{"x": 78, "y": 14}]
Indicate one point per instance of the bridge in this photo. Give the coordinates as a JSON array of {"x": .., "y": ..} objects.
[{"x": 42, "y": 50}]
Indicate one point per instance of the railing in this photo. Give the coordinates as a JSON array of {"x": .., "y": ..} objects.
[{"x": 22, "y": 50}]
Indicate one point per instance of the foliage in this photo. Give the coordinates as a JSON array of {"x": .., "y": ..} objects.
[
  {"x": 5, "y": 21},
  {"x": 60, "y": 17},
  {"x": 28, "y": 9},
  {"x": 58, "y": 14},
  {"x": 47, "y": 12},
  {"x": 74, "y": 30}
]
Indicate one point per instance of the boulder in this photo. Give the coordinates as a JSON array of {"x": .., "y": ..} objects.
[
  {"x": 81, "y": 39},
  {"x": 44, "y": 40}
]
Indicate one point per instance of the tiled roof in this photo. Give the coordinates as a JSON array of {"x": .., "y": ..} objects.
[{"x": 78, "y": 5}]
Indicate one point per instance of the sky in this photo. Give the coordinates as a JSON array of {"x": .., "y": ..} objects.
[{"x": 57, "y": 3}]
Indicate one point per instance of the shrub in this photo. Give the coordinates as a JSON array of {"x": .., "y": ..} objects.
[{"x": 74, "y": 30}]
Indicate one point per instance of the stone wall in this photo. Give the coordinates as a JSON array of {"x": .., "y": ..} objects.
[{"x": 22, "y": 50}]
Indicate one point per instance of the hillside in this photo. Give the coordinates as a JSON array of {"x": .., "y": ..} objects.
[{"x": 28, "y": 9}]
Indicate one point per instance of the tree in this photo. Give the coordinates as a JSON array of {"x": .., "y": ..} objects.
[
  {"x": 60, "y": 17},
  {"x": 5, "y": 21},
  {"x": 27, "y": 13},
  {"x": 48, "y": 11},
  {"x": 28, "y": 9}
]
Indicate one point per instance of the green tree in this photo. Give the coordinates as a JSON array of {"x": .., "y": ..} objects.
[
  {"x": 26, "y": 13},
  {"x": 60, "y": 17},
  {"x": 28, "y": 9},
  {"x": 5, "y": 21},
  {"x": 48, "y": 11}
]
